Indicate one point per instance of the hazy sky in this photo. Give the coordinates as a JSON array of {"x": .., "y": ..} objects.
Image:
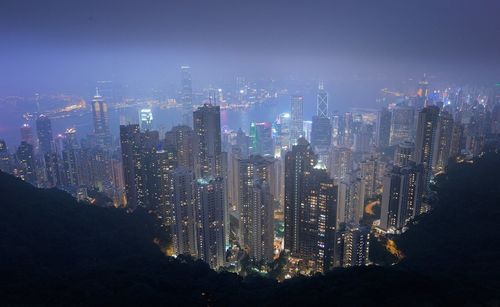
[{"x": 66, "y": 44}]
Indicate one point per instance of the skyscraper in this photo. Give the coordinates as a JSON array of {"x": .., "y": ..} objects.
[
  {"x": 383, "y": 128},
  {"x": 25, "y": 157},
  {"x": 146, "y": 119},
  {"x": 209, "y": 215},
  {"x": 317, "y": 219},
  {"x": 70, "y": 160},
  {"x": 322, "y": 102},
  {"x": 404, "y": 153},
  {"x": 101, "y": 121},
  {"x": 27, "y": 134},
  {"x": 353, "y": 246},
  {"x": 208, "y": 147},
  {"x": 442, "y": 141},
  {"x": 299, "y": 161},
  {"x": 184, "y": 238},
  {"x": 130, "y": 139},
  {"x": 5, "y": 158},
  {"x": 260, "y": 238},
  {"x": 186, "y": 94},
  {"x": 426, "y": 133},
  {"x": 261, "y": 135},
  {"x": 402, "y": 196},
  {"x": 256, "y": 205},
  {"x": 164, "y": 205},
  {"x": 297, "y": 118},
  {"x": 401, "y": 124},
  {"x": 182, "y": 138},
  {"x": 340, "y": 162},
  {"x": 350, "y": 199},
  {"x": 44, "y": 133},
  {"x": 321, "y": 133}
]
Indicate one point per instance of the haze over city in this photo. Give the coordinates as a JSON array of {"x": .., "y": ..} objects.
[{"x": 234, "y": 153}]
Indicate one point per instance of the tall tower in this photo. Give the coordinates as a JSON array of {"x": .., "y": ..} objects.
[
  {"x": 401, "y": 199},
  {"x": 208, "y": 147},
  {"x": 426, "y": 132},
  {"x": 404, "y": 153},
  {"x": 70, "y": 159},
  {"x": 300, "y": 160},
  {"x": 5, "y": 158},
  {"x": 182, "y": 139},
  {"x": 186, "y": 94},
  {"x": 254, "y": 177},
  {"x": 442, "y": 141},
  {"x": 130, "y": 139},
  {"x": 44, "y": 133},
  {"x": 322, "y": 101},
  {"x": 25, "y": 157},
  {"x": 383, "y": 128},
  {"x": 183, "y": 208},
  {"x": 209, "y": 216},
  {"x": 401, "y": 124},
  {"x": 297, "y": 118},
  {"x": 100, "y": 117},
  {"x": 27, "y": 134}
]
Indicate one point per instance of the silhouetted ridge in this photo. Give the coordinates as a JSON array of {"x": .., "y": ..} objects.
[{"x": 56, "y": 251}]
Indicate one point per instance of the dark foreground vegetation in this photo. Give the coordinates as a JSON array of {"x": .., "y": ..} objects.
[{"x": 55, "y": 251}]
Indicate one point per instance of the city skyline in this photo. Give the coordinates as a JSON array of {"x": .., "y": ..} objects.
[{"x": 278, "y": 151}]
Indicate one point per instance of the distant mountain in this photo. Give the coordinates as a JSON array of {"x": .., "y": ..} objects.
[{"x": 55, "y": 251}]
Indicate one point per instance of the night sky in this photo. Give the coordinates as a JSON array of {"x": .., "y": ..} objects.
[{"x": 67, "y": 45}]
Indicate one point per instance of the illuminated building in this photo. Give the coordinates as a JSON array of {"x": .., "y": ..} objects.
[
  {"x": 442, "y": 142},
  {"x": 70, "y": 162},
  {"x": 310, "y": 208},
  {"x": 321, "y": 133},
  {"x": 140, "y": 166},
  {"x": 163, "y": 204},
  {"x": 322, "y": 102},
  {"x": 298, "y": 162},
  {"x": 27, "y": 134},
  {"x": 383, "y": 128},
  {"x": 183, "y": 211},
  {"x": 101, "y": 121},
  {"x": 52, "y": 171},
  {"x": 423, "y": 92},
  {"x": 363, "y": 139},
  {"x": 297, "y": 118},
  {"x": 256, "y": 206},
  {"x": 146, "y": 119},
  {"x": 25, "y": 158},
  {"x": 402, "y": 196},
  {"x": 182, "y": 139},
  {"x": 370, "y": 171},
  {"x": 345, "y": 130},
  {"x": 402, "y": 120},
  {"x": 260, "y": 237},
  {"x": 352, "y": 246},
  {"x": 186, "y": 95},
  {"x": 340, "y": 162},
  {"x": 243, "y": 142},
  {"x": 261, "y": 135},
  {"x": 209, "y": 220},
  {"x": 350, "y": 199},
  {"x": 404, "y": 153},
  {"x": 306, "y": 128},
  {"x": 44, "y": 133},
  {"x": 428, "y": 120},
  {"x": 282, "y": 135},
  {"x": 5, "y": 158},
  {"x": 208, "y": 147}
]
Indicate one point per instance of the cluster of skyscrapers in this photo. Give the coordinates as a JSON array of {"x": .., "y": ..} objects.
[{"x": 223, "y": 194}]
